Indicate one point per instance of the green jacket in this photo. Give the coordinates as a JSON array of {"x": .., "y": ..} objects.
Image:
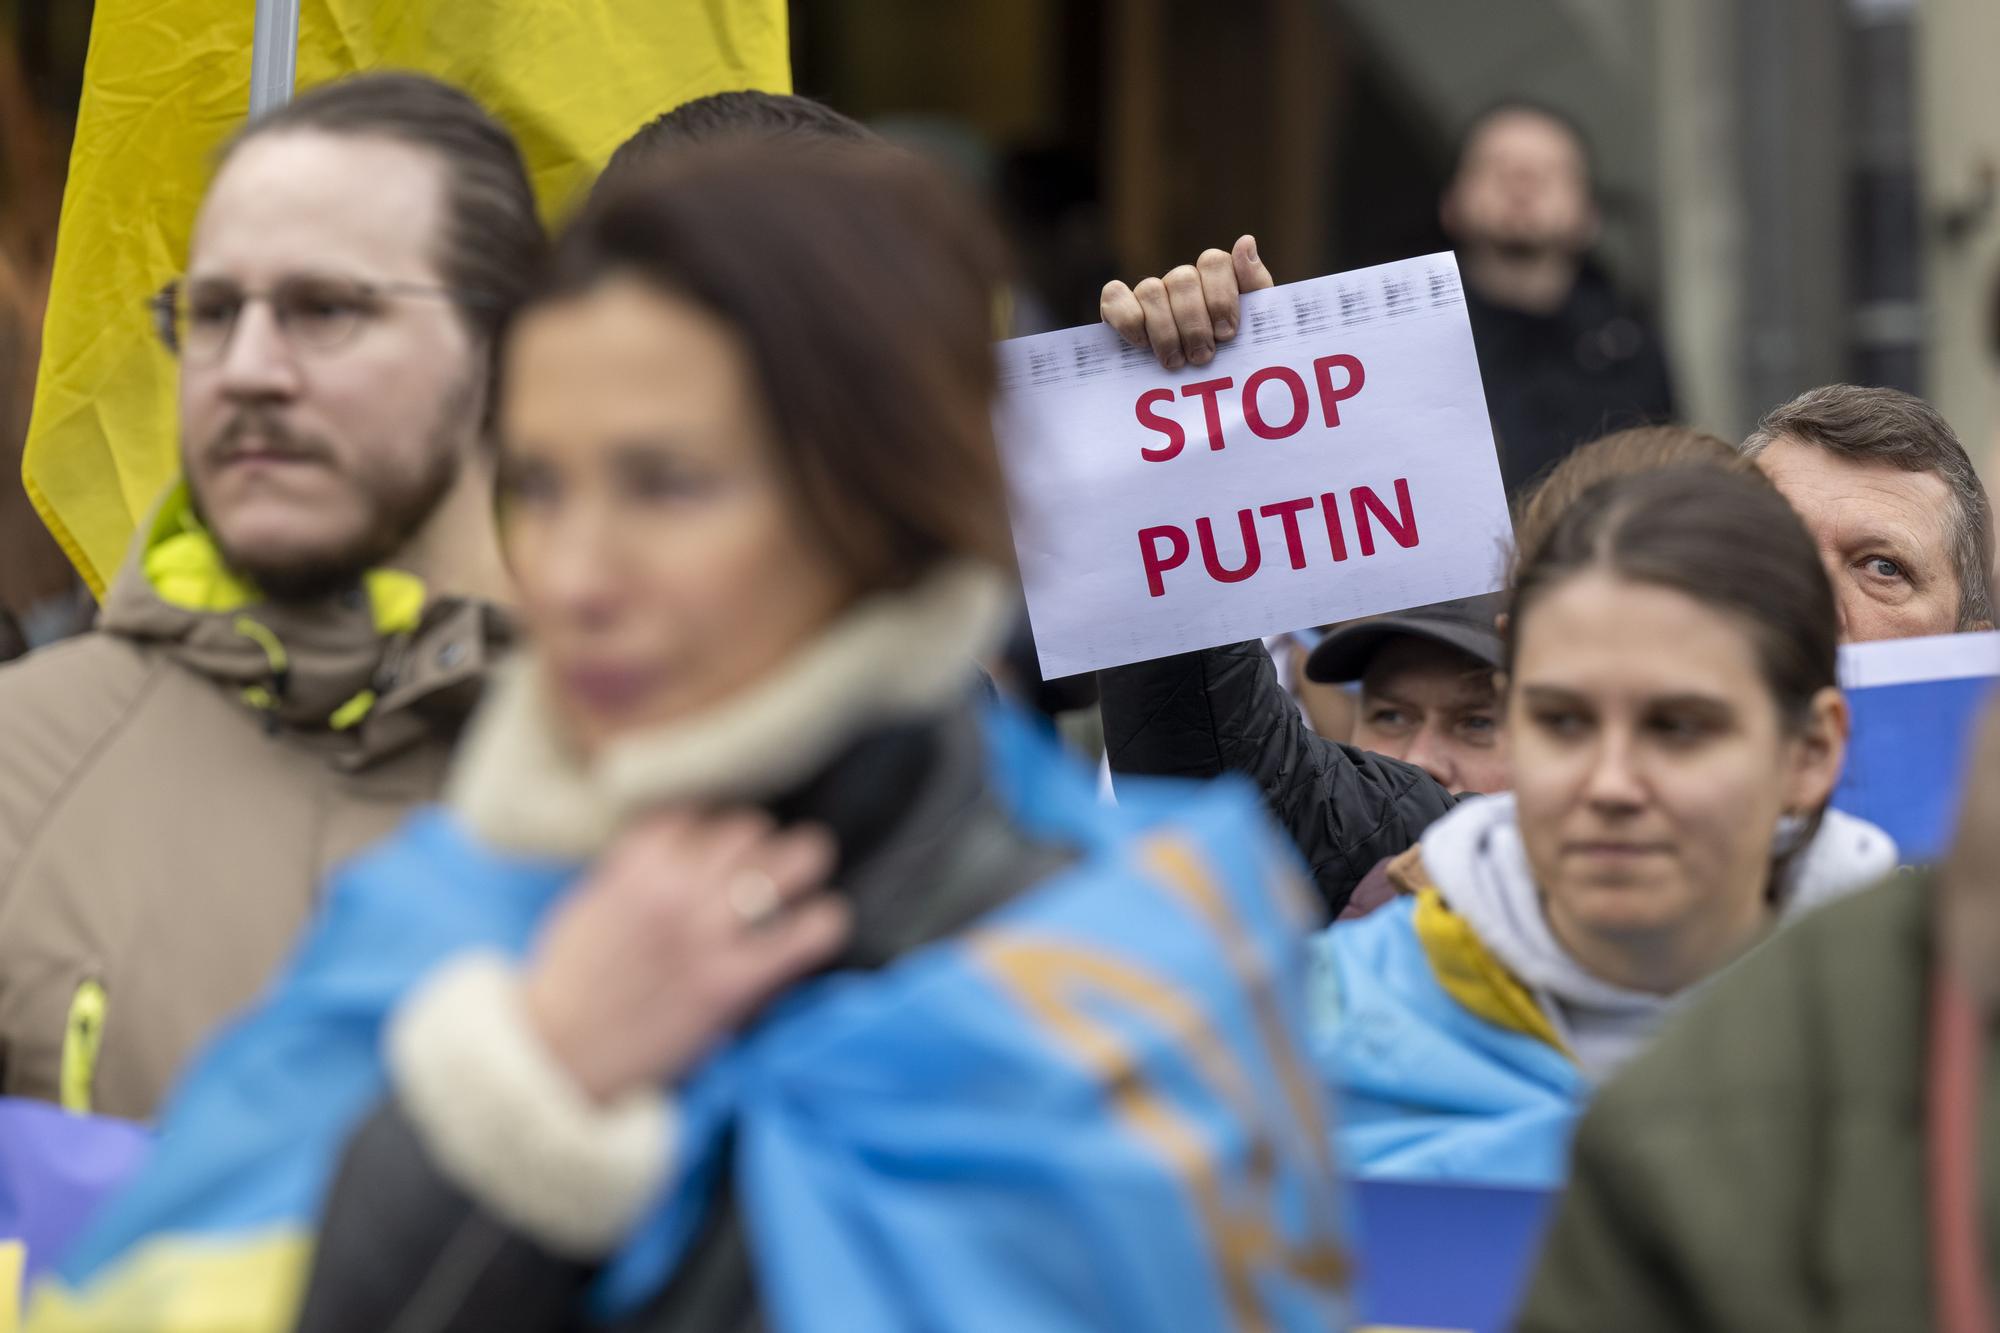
[{"x": 1761, "y": 1168}]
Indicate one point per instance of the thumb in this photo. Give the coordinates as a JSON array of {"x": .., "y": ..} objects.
[{"x": 1251, "y": 275}]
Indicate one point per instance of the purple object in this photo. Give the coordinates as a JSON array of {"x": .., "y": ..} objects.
[{"x": 55, "y": 1168}]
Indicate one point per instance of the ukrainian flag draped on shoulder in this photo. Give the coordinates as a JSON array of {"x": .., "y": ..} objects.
[
  {"x": 1092, "y": 1109},
  {"x": 1440, "y": 1063},
  {"x": 168, "y": 80}
]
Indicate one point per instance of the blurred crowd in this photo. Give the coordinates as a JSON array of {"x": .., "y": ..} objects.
[{"x": 557, "y": 821}]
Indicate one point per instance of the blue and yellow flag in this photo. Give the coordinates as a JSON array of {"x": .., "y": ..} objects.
[
  {"x": 168, "y": 80},
  {"x": 1092, "y": 1109}
]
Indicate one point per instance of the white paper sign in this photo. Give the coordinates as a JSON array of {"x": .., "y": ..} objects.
[{"x": 1334, "y": 460}]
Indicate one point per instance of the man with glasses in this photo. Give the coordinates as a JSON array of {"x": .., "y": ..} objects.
[{"x": 284, "y": 662}]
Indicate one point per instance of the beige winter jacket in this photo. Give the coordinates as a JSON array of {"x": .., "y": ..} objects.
[{"x": 174, "y": 787}]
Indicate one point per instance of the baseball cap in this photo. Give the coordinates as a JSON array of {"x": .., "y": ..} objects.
[{"x": 1466, "y": 624}]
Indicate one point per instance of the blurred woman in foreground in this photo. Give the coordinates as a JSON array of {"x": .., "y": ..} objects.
[
  {"x": 758, "y": 973},
  {"x": 1675, "y": 732}
]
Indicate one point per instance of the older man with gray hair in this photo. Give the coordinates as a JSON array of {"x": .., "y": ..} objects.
[{"x": 1892, "y": 498}]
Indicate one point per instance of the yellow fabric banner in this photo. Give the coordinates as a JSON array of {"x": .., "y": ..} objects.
[{"x": 168, "y": 80}]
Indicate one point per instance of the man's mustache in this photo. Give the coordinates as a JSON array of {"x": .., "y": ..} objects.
[{"x": 260, "y": 433}]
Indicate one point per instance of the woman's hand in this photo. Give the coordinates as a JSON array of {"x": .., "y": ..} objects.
[{"x": 684, "y": 928}]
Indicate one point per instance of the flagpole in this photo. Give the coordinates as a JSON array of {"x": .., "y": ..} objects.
[{"x": 274, "y": 55}]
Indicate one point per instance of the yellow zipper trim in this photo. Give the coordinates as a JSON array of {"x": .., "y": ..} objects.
[{"x": 83, "y": 1038}]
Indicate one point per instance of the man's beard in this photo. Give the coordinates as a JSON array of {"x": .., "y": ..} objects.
[{"x": 397, "y": 507}]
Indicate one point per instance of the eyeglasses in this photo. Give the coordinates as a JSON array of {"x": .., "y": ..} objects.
[{"x": 314, "y": 314}]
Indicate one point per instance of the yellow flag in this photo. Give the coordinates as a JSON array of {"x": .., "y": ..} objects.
[{"x": 168, "y": 80}]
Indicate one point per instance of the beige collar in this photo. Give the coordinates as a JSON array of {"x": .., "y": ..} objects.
[{"x": 518, "y": 787}]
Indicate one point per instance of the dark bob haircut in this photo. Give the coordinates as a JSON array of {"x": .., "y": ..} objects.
[{"x": 863, "y": 286}]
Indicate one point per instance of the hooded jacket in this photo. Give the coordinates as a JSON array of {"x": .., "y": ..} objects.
[
  {"x": 1461, "y": 1040},
  {"x": 174, "y": 786},
  {"x": 1058, "y": 1081}
]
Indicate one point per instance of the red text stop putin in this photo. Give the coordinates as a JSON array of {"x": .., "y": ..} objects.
[{"x": 1277, "y": 404}]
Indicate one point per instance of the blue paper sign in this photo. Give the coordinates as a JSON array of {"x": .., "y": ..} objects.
[
  {"x": 1916, "y": 703},
  {"x": 1452, "y": 1257}
]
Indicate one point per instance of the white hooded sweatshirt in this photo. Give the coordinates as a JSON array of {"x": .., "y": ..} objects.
[{"x": 1476, "y": 858}]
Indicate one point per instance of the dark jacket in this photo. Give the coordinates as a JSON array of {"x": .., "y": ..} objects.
[
  {"x": 1204, "y": 714},
  {"x": 1559, "y": 380},
  {"x": 1761, "y": 1169}
]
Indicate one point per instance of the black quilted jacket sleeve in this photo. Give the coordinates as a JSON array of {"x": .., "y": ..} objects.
[{"x": 1222, "y": 710}]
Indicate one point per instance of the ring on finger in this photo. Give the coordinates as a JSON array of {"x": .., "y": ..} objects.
[{"x": 753, "y": 896}]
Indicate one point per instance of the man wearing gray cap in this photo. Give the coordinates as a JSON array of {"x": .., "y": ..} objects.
[
  {"x": 1427, "y": 690},
  {"x": 1427, "y": 732}
]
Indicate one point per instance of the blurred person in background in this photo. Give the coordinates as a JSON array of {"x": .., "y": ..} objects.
[
  {"x": 1898, "y": 510},
  {"x": 1049, "y": 1049},
  {"x": 1563, "y": 357},
  {"x": 1809, "y": 1147},
  {"x": 1675, "y": 732},
  {"x": 304, "y": 621}
]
